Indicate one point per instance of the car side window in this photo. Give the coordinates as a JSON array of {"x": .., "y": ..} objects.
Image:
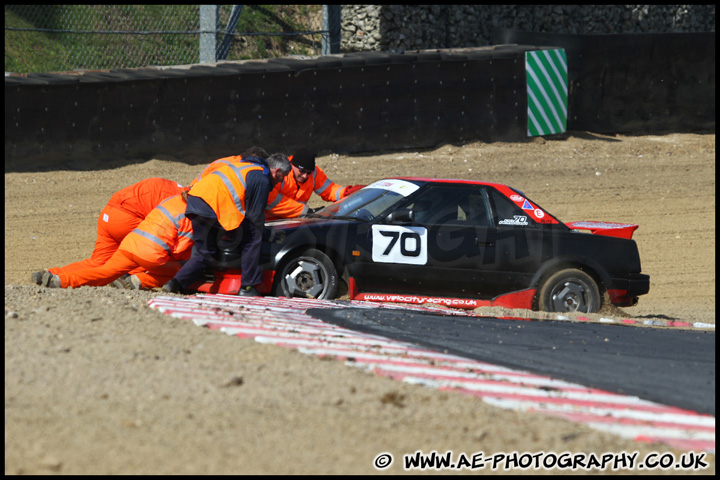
[
  {"x": 454, "y": 204},
  {"x": 508, "y": 213},
  {"x": 478, "y": 211}
]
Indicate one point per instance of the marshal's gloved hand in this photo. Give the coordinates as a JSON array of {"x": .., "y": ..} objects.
[
  {"x": 350, "y": 189},
  {"x": 276, "y": 236}
]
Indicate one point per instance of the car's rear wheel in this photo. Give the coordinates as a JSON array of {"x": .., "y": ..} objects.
[
  {"x": 310, "y": 275},
  {"x": 570, "y": 290}
]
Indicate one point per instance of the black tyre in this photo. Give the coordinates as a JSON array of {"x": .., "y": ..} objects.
[
  {"x": 570, "y": 290},
  {"x": 310, "y": 275}
]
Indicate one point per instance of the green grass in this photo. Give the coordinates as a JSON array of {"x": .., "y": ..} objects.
[{"x": 27, "y": 52}]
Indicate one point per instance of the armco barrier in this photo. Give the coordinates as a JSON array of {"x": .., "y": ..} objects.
[{"x": 344, "y": 103}]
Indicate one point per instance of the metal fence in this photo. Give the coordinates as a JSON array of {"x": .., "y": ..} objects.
[{"x": 55, "y": 38}]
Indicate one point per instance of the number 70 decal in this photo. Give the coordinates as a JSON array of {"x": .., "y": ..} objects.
[{"x": 395, "y": 244}]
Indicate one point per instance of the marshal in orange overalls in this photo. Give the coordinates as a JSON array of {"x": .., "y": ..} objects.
[
  {"x": 156, "y": 247},
  {"x": 289, "y": 198},
  {"x": 123, "y": 213},
  {"x": 224, "y": 192}
]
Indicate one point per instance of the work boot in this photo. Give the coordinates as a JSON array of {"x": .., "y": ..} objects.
[
  {"x": 127, "y": 282},
  {"x": 121, "y": 282},
  {"x": 36, "y": 277},
  {"x": 248, "y": 292},
  {"x": 173, "y": 286},
  {"x": 135, "y": 283},
  {"x": 51, "y": 281}
]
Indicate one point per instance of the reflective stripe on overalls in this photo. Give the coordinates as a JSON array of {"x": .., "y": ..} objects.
[
  {"x": 231, "y": 188},
  {"x": 226, "y": 162},
  {"x": 322, "y": 187},
  {"x": 175, "y": 220}
]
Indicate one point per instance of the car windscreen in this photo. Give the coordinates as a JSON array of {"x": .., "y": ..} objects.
[{"x": 369, "y": 202}]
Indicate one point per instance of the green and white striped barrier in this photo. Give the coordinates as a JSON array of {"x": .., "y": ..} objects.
[{"x": 547, "y": 90}]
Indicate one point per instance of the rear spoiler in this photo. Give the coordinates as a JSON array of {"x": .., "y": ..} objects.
[{"x": 622, "y": 230}]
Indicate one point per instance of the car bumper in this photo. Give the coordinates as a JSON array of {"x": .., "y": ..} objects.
[{"x": 637, "y": 284}]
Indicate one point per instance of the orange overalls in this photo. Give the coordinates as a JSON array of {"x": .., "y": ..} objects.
[
  {"x": 224, "y": 191},
  {"x": 232, "y": 160},
  {"x": 125, "y": 210},
  {"x": 289, "y": 198},
  {"x": 156, "y": 247}
]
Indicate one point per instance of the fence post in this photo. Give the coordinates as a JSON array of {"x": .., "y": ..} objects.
[
  {"x": 331, "y": 24},
  {"x": 208, "y": 29},
  {"x": 230, "y": 29}
]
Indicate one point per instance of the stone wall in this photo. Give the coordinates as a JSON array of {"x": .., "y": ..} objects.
[{"x": 419, "y": 27}]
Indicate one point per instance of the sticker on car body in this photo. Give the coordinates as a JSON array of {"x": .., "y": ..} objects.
[
  {"x": 400, "y": 187},
  {"x": 399, "y": 244},
  {"x": 516, "y": 220}
]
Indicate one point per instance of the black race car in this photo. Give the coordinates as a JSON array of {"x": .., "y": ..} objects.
[{"x": 458, "y": 243}]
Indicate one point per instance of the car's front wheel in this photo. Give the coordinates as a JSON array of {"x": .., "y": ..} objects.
[
  {"x": 570, "y": 290},
  {"x": 311, "y": 275}
]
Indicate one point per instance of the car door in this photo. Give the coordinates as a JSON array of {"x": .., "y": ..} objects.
[
  {"x": 437, "y": 248},
  {"x": 521, "y": 243}
]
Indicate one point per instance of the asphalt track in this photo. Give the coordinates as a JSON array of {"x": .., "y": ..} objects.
[{"x": 671, "y": 367}]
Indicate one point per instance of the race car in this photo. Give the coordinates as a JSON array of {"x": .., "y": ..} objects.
[{"x": 458, "y": 243}]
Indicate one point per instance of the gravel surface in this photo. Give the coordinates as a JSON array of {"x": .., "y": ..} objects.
[{"x": 98, "y": 383}]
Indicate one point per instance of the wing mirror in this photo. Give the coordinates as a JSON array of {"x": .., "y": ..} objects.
[{"x": 401, "y": 216}]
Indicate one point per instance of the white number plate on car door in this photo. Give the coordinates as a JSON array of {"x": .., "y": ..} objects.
[{"x": 396, "y": 244}]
